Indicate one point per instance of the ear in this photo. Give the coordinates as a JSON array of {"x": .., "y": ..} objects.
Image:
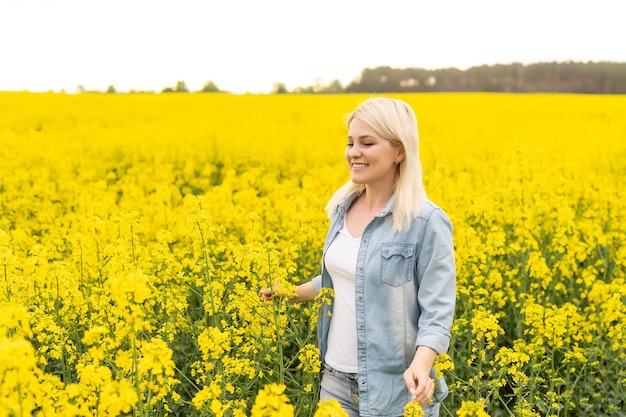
[{"x": 401, "y": 155}]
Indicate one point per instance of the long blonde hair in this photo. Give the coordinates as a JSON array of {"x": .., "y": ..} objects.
[{"x": 395, "y": 121}]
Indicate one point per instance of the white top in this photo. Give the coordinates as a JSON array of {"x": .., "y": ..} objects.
[{"x": 340, "y": 261}]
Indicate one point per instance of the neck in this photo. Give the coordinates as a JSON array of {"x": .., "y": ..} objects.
[{"x": 375, "y": 200}]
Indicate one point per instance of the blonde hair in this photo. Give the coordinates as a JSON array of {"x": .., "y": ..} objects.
[{"x": 395, "y": 121}]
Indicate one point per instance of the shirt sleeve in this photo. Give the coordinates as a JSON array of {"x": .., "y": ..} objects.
[
  {"x": 436, "y": 275},
  {"x": 317, "y": 283}
]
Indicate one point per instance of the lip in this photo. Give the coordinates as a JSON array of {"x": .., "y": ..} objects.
[{"x": 358, "y": 165}]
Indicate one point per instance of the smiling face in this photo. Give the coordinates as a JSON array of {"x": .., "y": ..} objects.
[{"x": 371, "y": 158}]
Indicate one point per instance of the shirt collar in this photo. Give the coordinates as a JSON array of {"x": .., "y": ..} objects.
[{"x": 345, "y": 203}]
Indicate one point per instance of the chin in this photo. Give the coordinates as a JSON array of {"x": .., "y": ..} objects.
[{"x": 357, "y": 180}]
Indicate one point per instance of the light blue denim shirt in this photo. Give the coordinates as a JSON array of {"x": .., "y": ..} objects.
[{"x": 405, "y": 297}]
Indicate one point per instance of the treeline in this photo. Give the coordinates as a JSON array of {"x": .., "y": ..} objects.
[
  {"x": 181, "y": 87},
  {"x": 568, "y": 77},
  {"x": 557, "y": 77}
]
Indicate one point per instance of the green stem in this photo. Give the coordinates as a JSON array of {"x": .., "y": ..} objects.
[
  {"x": 136, "y": 377},
  {"x": 279, "y": 339},
  {"x": 132, "y": 242},
  {"x": 205, "y": 258},
  {"x": 6, "y": 279},
  {"x": 279, "y": 345}
]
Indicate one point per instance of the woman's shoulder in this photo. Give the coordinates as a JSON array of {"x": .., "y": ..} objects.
[
  {"x": 433, "y": 213},
  {"x": 428, "y": 208}
]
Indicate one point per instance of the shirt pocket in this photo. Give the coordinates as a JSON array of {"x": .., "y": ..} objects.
[{"x": 397, "y": 262}]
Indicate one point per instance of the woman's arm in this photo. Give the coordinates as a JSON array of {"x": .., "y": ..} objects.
[{"x": 304, "y": 292}]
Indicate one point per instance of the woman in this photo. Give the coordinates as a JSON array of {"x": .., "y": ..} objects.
[{"x": 389, "y": 259}]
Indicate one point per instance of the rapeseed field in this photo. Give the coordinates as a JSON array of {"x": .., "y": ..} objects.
[{"x": 136, "y": 231}]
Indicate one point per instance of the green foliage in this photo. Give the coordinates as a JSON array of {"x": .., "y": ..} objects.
[
  {"x": 279, "y": 88},
  {"x": 210, "y": 87}
]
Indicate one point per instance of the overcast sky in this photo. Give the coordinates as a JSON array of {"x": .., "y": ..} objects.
[{"x": 247, "y": 45}]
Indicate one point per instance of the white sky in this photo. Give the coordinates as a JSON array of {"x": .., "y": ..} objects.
[{"x": 247, "y": 45}]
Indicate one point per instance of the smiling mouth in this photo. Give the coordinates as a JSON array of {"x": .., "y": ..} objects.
[{"x": 359, "y": 165}]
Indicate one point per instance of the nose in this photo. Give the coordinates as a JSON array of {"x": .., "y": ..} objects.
[{"x": 353, "y": 151}]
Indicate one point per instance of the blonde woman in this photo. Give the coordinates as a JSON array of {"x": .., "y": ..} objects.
[{"x": 389, "y": 258}]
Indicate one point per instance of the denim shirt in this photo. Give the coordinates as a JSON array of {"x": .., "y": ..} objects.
[{"x": 405, "y": 296}]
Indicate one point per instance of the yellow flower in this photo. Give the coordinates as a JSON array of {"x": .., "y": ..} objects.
[
  {"x": 443, "y": 362},
  {"x": 485, "y": 327},
  {"x": 213, "y": 343},
  {"x": 329, "y": 408},
  {"x": 271, "y": 402},
  {"x": 117, "y": 398},
  {"x": 309, "y": 359},
  {"x": 413, "y": 409},
  {"x": 472, "y": 409}
]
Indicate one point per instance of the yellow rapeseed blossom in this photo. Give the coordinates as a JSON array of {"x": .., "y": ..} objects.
[
  {"x": 155, "y": 370},
  {"x": 472, "y": 409},
  {"x": 208, "y": 393},
  {"x": 271, "y": 402},
  {"x": 309, "y": 359},
  {"x": 443, "y": 362},
  {"x": 485, "y": 327},
  {"x": 213, "y": 343},
  {"x": 413, "y": 410},
  {"x": 329, "y": 408}
]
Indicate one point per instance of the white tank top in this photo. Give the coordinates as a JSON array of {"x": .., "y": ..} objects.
[{"x": 340, "y": 261}]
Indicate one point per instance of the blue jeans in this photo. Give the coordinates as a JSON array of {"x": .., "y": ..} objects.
[{"x": 343, "y": 387}]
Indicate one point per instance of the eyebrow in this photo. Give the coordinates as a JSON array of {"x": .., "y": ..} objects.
[{"x": 363, "y": 137}]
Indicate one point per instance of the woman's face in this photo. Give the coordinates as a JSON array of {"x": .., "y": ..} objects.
[{"x": 371, "y": 158}]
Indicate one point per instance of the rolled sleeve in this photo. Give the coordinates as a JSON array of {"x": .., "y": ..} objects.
[{"x": 317, "y": 283}]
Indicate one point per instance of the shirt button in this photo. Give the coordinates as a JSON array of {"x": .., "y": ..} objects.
[
  {"x": 365, "y": 241},
  {"x": 360, "y": 298}
]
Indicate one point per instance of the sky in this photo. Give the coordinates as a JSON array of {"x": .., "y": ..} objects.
[{"x": 248, "y": 45}]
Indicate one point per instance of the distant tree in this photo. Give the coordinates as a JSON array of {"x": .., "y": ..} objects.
[
  {"x": 376, "y": 80},
  {"x": 111, "y": 89},
  {"x": 167, "y": 90},
  {"x": 304, "y": 90},
  {"x": 279, "y": 88},
  {"x": 210, "y": 87},
  {"x": 181, "y": 87},
  {"x": 334, "y": 87}
]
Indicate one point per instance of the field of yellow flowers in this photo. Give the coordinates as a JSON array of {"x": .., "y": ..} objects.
[{"x": 136, "y": 230}]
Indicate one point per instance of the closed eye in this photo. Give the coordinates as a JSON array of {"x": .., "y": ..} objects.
[{"x": 349, "y": 145}]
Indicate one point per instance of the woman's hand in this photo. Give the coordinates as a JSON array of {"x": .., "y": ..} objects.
[
  {"x": 268, "y": 294},
  {"x": 301, "y": 293},
  {"x": 417, "y": 376},
  {"x": 419, "y": 384}
]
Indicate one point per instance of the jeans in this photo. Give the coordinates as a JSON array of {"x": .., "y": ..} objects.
[{"x": 343, "y": 387}]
